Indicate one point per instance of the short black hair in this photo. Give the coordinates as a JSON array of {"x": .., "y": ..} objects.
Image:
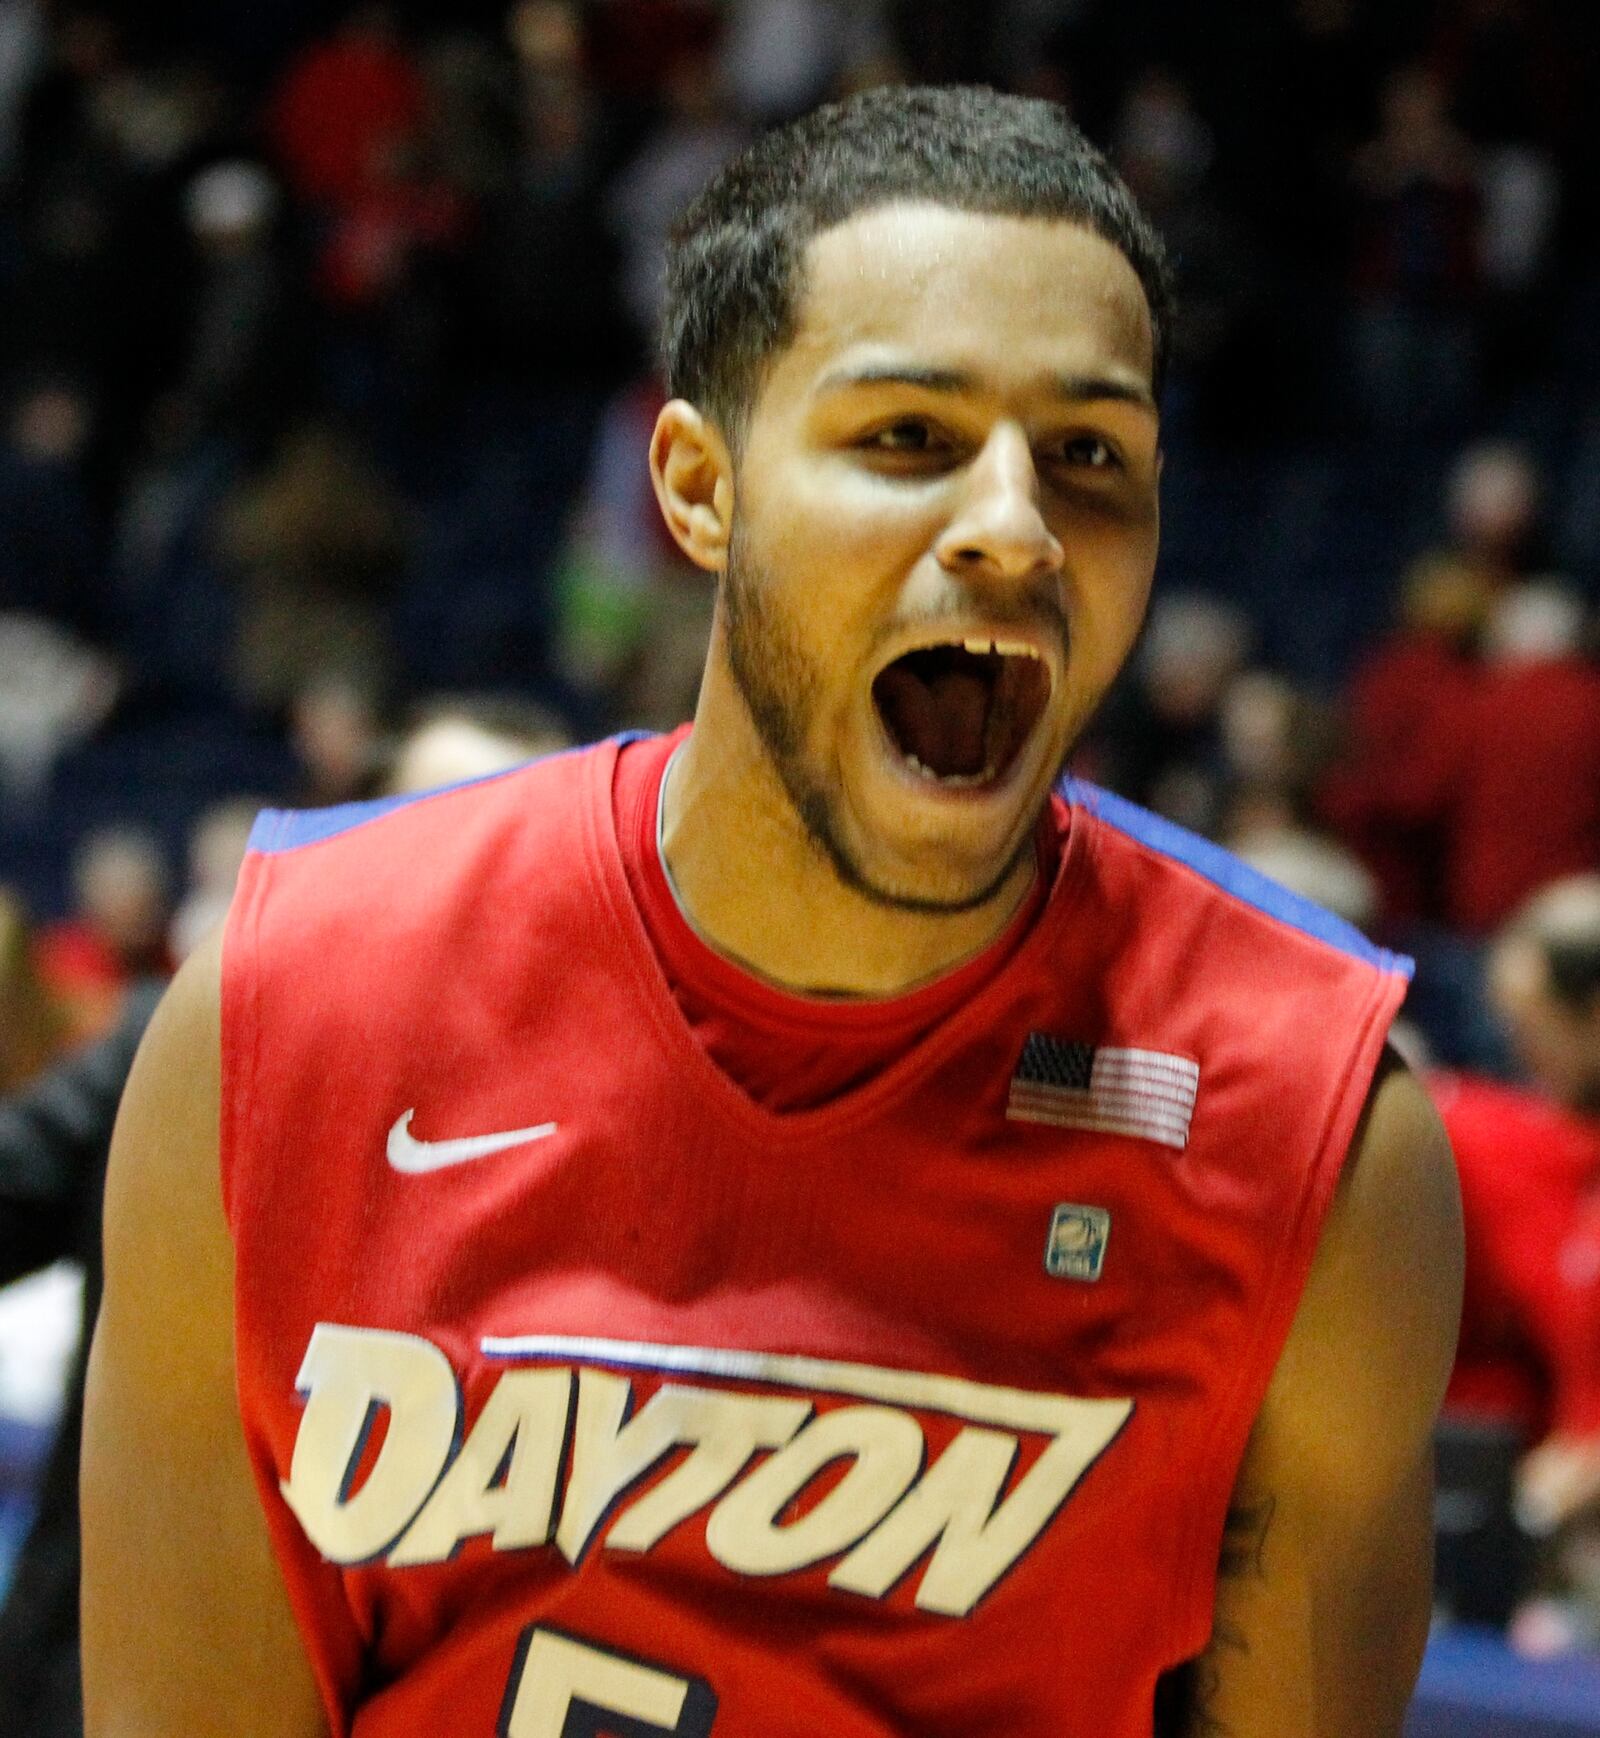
[{"x": 733, "y": 261}]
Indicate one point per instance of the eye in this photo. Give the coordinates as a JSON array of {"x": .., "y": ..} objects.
[
  {"x": 907, "y": 435},
  {"x": 1088, "y": 452},
  {"x": 910, "y": 437}
]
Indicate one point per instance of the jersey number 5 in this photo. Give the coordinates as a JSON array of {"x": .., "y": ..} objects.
[{"x": 562, "y": 1687}]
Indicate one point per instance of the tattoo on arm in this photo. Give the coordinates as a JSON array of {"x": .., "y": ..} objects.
[
  {"x": 1244, "y": 1539},
  {"x": 1242, "y": 1557},
  {"x": 1206, "y": 1681}
]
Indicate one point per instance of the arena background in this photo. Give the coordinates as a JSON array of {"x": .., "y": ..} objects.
[{"x": 325, "y": 380}]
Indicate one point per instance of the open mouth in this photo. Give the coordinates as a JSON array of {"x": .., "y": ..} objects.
[{"x": 960, "y": 712}]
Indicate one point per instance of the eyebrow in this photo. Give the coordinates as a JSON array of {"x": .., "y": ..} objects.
[{"x": 1077, "y": 388}]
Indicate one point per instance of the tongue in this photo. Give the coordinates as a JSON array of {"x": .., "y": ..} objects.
[{"x": 941, "y": 719}]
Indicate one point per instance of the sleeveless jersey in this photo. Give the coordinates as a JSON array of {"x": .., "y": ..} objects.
[{"x": 586, "y": 1396}]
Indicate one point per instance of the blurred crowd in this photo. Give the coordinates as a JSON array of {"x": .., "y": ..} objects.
[{"x": 325, "y": 382}]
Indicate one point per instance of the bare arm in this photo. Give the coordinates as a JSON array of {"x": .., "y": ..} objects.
[
  {"x": 1325, "y": 1582},
  {"x": 186, "y": 1627}
]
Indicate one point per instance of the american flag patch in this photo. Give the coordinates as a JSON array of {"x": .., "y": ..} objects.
[{"x": 1101, "y": 1087}]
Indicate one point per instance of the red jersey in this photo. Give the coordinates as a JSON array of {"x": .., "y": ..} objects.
[
  {"x": 786, "y": 1051},
  {"x": 587, "y": 1395}
]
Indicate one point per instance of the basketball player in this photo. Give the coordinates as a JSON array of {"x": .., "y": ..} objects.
[{"x": 791, "y": 1228}]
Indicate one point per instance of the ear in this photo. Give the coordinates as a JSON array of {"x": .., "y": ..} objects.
[{"x": 692, "y": 470}]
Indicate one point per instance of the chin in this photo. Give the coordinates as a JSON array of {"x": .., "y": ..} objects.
[
  {"x": 942, "y": 889},
  {"x": 937, "y": 851}
]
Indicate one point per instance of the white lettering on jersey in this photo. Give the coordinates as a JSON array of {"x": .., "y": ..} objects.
[
  {"x": 521, "y": 1430},
  {"x": 721, "y": 1429},
  {"x": 957, "y": 1503},
  {"x": 348, "y": 1376},
  {"x": 885, "y": 1448},
  {"x": 885, "y": 1513},
  {"x": 558, "y": 1673}
]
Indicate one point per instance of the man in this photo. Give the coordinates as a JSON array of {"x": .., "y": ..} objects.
[{"x": 789, "y": 1227}]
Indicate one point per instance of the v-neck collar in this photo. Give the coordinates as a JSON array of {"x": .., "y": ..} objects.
[{"x": 859, "y": 1105}]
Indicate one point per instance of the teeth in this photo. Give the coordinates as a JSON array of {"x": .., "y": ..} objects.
[
  {"x": 1005, "y": 648},
  {"x": 958, "y": 781}
]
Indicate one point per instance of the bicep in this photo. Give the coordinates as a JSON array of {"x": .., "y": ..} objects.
[
  {"x": 1325, "y": 1583},
  {"x": 186, "y": 1624}
]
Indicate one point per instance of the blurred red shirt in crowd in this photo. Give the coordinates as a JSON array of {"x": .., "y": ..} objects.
[
  {"x": 346, "y": 106},
  {"x": 1526, "y": 807},
  {"x": 1529, "y": 1352},
  {"x": 1407, "y": 712},
  {"x": 1471, "y": 780}
]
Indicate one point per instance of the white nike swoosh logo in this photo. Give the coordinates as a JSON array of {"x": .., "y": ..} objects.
[{"x": 408, "y": 1154}]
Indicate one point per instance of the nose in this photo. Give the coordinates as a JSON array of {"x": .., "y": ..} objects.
[{"x": 997, "y": 531}]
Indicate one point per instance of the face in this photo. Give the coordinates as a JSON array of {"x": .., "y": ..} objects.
[
  {"x": 1557, "y": 1044},
  {"x": 945, "y": 527}
]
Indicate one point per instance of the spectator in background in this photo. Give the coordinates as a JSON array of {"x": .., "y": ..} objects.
[
  {"x": 697, "y": 134},
  {"x": 352, "y": 124},
  {"x": 1527, "y": 1156},
  {"x": 1492, "y": 509},
  {"x": 1160, "y": 741},
  {"x": 117, "y": 932},
  {"x": 1405, "y": 709},
  {"x": 1529, "y": 1163},
  {"x": 541, "y": 268},
  {"x": 55, "y": 684},
  {"x": 54, "y": 692},
  {"x": 67, "y": 179},
  {"x": 47, "y": 541},
  {"x": 1165, "y": 151},
  {"x": 346, "y": 107},
  {"x": 1411, "y": 704},
  {"x": 1471, "y": 771},
  {"x": 471, "y": 133},
  {"x": 241, "y": 369},
  {"x": 1417, "y": 262},
  {"x": 97, "y": 251},
  {"x": 336, "y": 728},
  {"x": 463, "y": 736},
  {"x": 1526, "y": 804},
  {"x": 33, "y": 1025},
  {"x": 1275, "y": 742},
  {"x": 315, "y": 543},
  {"x": 781, "y": 57},
  {"x": 381, "y": 246},
  {"x": 217, "y": 847},
  {"x": 1514, "y": 75}
]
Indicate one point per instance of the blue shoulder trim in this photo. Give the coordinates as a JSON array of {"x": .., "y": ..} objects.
[
  {"x": 288, "y": 829},
  {"x": 1222, "y": 869}
]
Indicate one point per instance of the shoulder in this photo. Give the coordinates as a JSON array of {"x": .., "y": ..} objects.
[
  {"x": 281, "y": 832},
  {"x": 165, "y": 1147},
  {"x": 1191, "y": 880},
  {"x": 420, "y": 865}
]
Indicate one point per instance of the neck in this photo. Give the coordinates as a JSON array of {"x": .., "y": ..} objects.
[{"x": 763, "y": 893}]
